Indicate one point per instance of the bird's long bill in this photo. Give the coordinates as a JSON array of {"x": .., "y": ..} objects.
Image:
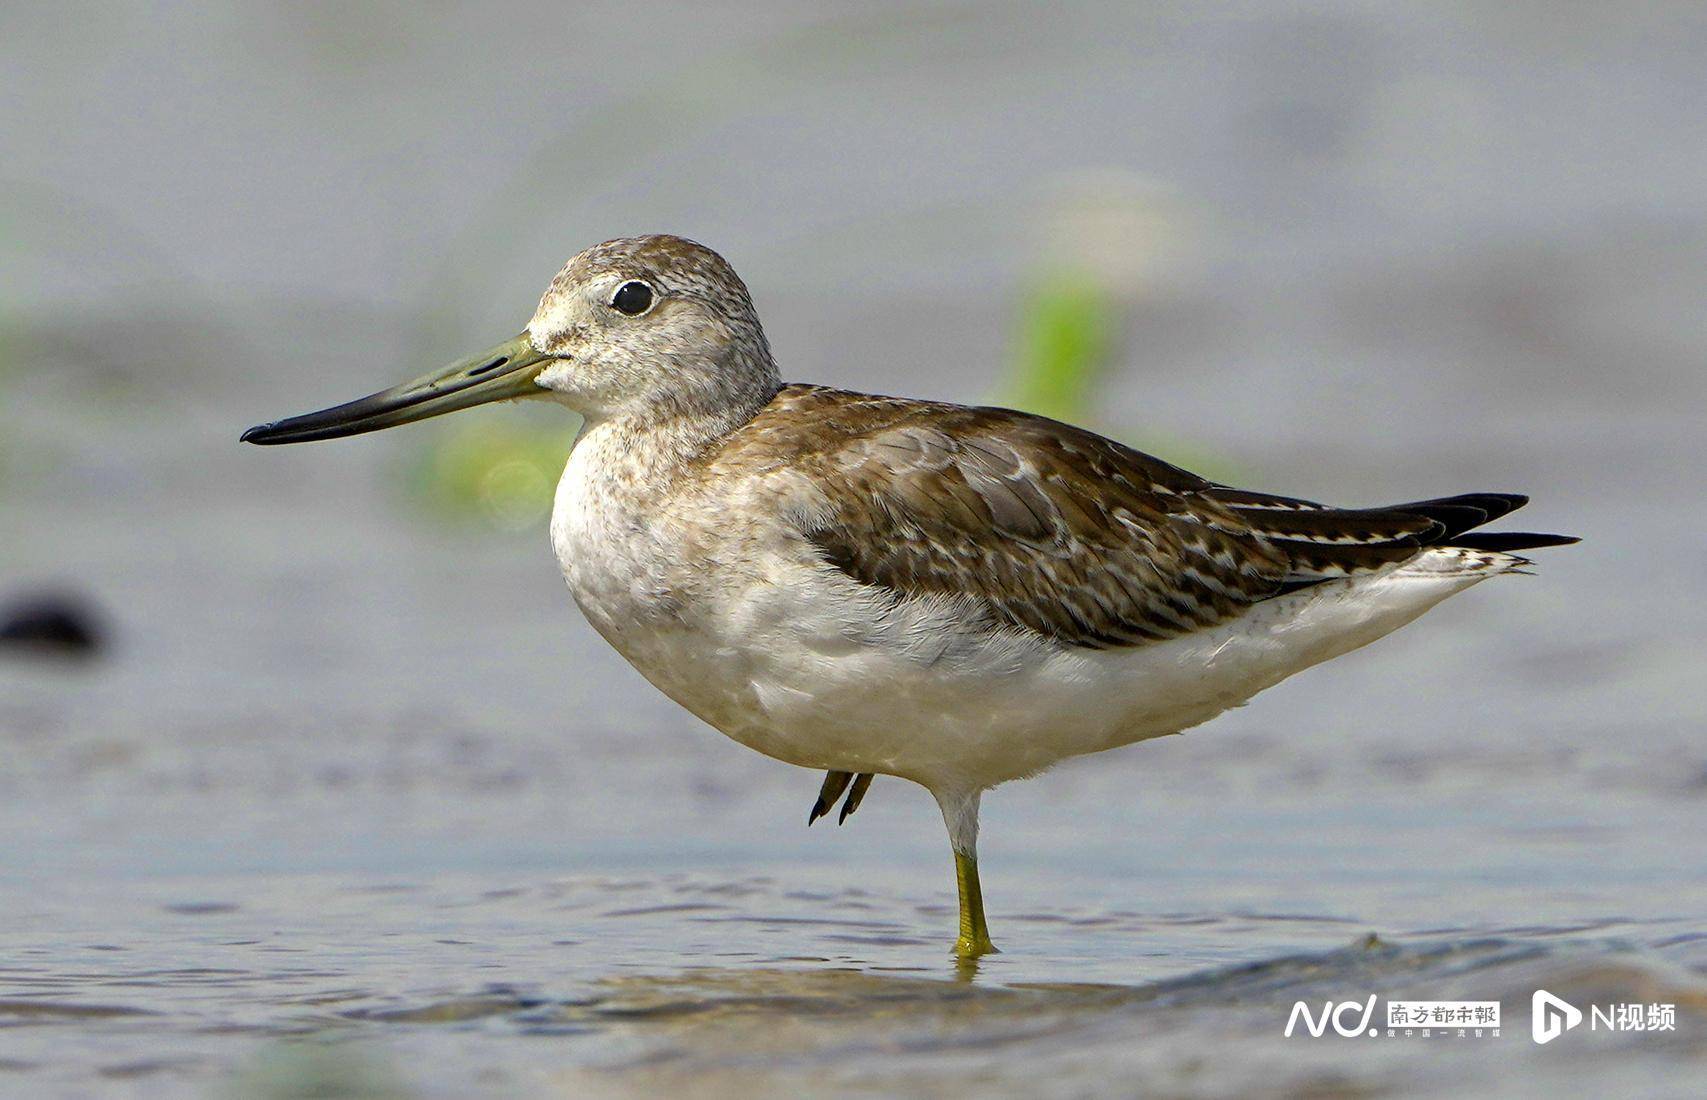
[{"x": 497, "y": 374}]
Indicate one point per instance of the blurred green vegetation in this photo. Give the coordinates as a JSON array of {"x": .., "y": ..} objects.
[
  {"x": 315, "y": 1069},
  {"x": 492, "y": 466},
  {"x": 1068, "y": 328},
  {"x": 1070, "y": 334}
]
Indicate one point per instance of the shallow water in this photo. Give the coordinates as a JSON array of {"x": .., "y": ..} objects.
[
  {"x": 354, "y": 802},
  {"x": 711, "y": 984}
]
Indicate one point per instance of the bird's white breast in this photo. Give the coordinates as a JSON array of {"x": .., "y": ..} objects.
[{"x": 636, "y": 560}]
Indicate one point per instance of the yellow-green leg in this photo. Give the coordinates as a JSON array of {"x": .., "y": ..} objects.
[
  {"x": 974, "y": 933},
  {"x": 960, "y": 813}
]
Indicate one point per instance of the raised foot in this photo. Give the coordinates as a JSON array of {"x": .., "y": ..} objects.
[{"x": 834, "y": 784}]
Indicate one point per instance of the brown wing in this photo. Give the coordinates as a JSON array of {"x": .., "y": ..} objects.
[{"x": 1056, "y": 530}]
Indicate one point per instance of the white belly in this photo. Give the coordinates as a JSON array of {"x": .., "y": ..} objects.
[
  {"x": 797, "y": 661},
  {"x": 828, "y": 690}
]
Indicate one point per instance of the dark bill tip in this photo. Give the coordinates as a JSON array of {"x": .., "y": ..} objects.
[
  {"x": 498, "y": 374},
  {"x": 365, "y": 414}
]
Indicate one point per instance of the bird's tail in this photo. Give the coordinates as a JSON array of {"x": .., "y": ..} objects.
[
  {"x": 1459, "y": 515},
  {"x": 1326, "y": 543}
]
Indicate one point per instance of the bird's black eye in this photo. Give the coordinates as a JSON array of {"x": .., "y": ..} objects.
[{"x": 633, "y": 298}]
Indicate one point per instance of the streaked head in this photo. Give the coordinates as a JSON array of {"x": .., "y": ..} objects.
[{"x": 652, "y": 328}]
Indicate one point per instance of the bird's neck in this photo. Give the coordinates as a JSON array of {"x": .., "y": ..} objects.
[{"x": 654, "y": 446}]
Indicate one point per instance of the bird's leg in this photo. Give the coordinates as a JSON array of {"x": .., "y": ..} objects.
[
  {"x": 960, "y": 814},
  {"x": 974, "y": 933},
  {"x": 856, "y": 795},
  {"x": 834, "y": 784}
]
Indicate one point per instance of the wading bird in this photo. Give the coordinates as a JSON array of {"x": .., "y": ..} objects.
[{"x": 873, "y": 585}]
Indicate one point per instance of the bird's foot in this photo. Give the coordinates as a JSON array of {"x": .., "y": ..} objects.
[
  {"x": 969, "y": 947},
  {"x": 856, "y": 794},
  {"x": 834, "y": 784}
]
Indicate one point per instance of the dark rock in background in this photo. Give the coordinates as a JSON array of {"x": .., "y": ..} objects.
[{"x": 50, "y": 623}]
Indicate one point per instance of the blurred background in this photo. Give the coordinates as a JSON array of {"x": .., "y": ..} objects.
[{"x": 311, "y": 776}]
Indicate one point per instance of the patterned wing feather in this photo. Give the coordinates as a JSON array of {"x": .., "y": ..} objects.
[
  {"x": 1055, "y": 530},
  {"x": 1048, "y": 528}
]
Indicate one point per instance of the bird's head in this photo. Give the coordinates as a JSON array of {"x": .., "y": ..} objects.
[{"x": 652, "y": 329}]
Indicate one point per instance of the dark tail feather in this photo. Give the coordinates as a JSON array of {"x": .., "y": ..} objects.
[
  {"x": 1325, "y": 543},
  {"x": 1460, "y": 513},
  {"x": 1505, "y": 541}
]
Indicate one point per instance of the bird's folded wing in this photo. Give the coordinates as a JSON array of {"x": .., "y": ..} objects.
[{"x": 1054, "y": 530}]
